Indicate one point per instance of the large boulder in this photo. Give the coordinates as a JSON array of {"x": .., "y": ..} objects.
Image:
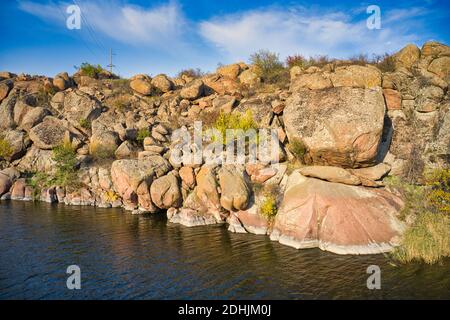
[
  {"x": 332, "y": 174},
  {"x": 5, "y": 183},
  {"x": 104, "y": 143},
  {"x": 165, "y": 192},
  {"x": 17, "y": 142},
  {"x": 132, "y": 180},
  {"x": 337, "y": 126},
  {"x": 7, "y": 111},
  {"x": 435, "y": 49},
  {"x": 231, "y": 71},
  {"x": 338, "y": 218},
  {"x": 193, "y": 90},
  {"x": 162, "y": 83},
  {"x": 36, "y": 160},
  {"x": 5, "y": 88},
  {"x": 249, "y": 77},
  {"x": 142, "y": 86},
  {"x": 313, "y": 81},
  {"x": 235, "y": 191},
  {"x": 407, "y": 57},
  {"x": 440, "y": 67},
  {"x": 49, "y": 133},
  {"x": 79, "y": 106},
  {"x": 207, "y": 190},
  {"x": 356, "y": 76}
]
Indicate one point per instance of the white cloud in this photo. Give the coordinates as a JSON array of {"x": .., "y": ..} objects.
[
  {"x": 299, "y": 30},
  {"x": 161, "y": 26}
]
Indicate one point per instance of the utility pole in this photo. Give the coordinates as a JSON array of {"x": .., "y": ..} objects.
[{"x": 110, "y": 66}]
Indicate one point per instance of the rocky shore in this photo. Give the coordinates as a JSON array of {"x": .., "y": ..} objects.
[{"x": 342, "y": 129}]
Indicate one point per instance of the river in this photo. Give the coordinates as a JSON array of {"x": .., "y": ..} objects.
[{"x": 124, "y": 256}]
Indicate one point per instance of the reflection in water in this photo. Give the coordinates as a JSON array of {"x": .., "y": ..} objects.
[{"x": 123, "y": 256}]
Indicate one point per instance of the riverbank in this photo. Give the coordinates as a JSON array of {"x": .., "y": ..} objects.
[{"x": 323, "y": 137}]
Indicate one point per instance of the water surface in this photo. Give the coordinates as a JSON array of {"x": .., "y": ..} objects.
[{"x": 124, "y": 256}]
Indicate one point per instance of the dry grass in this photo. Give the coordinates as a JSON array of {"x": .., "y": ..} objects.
[{"x": 428, "y": 239}]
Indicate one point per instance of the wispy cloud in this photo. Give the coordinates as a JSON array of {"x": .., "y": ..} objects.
[
  {"x": 159, "y": 26},
  {"x": 301, "y": 30}
]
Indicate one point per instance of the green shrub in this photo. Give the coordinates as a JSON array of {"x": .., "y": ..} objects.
[
  {"x": 90, "y": 70},
  {"x": 66, "y": 160},
  {"x": 438, "y": 196},
  {"x": 85, "y": 123},
  {"x": 234, "y": 121},
  {"x": 192, "y": 73},
  {"x": 428, "y": 239},
  {"x": 142, "y": 134},
  {"x": 298, "y": 149},
  {"x": 64, "y": 175},
  {"x": 5, "y": 148},
  {"x": 296, "y": 60},
  {"x": 269, "y": 67},
  {"x": 269, "y": 207},
  {"x": 386, "y": 62}
]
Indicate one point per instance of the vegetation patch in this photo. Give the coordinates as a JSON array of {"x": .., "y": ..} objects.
[
  {"x": 298, "y": 149},
  {"x": 269, "y": 67},
  {"x": 5, "y": 148},
  {"x": 65, "y": 173},
  {"x": 427, "y": 238},
  {"x": 236, "y": 121},
  {"x": 142, "y": 134},
  {"x": 90, "y": 70}
]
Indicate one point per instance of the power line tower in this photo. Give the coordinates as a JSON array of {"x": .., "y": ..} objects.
[{"x": 111, "y": 65}]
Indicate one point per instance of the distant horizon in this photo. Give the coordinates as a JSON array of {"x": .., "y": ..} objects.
[{"x": 167, "y": 36}]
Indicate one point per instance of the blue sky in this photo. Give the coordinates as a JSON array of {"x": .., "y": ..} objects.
[{"x": 165, "y": 36}]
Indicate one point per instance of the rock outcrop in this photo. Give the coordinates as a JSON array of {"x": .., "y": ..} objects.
[
  {"x": 338, "y": 126},
  {"x": 338, "y": 218}
]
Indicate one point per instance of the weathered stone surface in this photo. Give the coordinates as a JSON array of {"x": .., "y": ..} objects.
[
  {"x": 440, "y": 67},
  {"x": 407, "y": 57},
  {"x": 128, "y": 175},
  {"x": 249, "y": 220},
  {"x": 393, "y": 99},
  {"x": 231, "y": 71},
  {"x": 206, "y": 189},
  {"x": 33, "y": 117},
  {"x": 192, "y": 90},
  {"x": 142, "y": 86},
  {"x": 104, "y": 143},
  {"x": 338, "y": 126},
  {"x": 434, "y": 48},
  {"x": 338, "y": 218},
  {"x": 162, "y": 83},
  {"x": 17, "y": 143},
  {"x": 36, "y": 160},
  {"x": 187, "y": 176},
  {"x": 312, "y": 81},
  {"x": 372, "y": 173},
  {"x": 5, "y": 88},
  {"x": 189, "y": 217},
  {"x": 332, "y": 174},
  {"x": 165, "y": 192},
  {"x": 79, "y": 106},
  {"x": 48, "y": 134},
  {"x": 224, "y": 103},
  {"x": 356, "y": 76},
  {"x": 5, "y": 183},
  {"x": 125, "y": 150},
  {"x": 7, "y": 111},
  {"x": 235, "y": 191},
  {"x": 249, "y": 77},
  {"x": 18, "y": 190}
]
